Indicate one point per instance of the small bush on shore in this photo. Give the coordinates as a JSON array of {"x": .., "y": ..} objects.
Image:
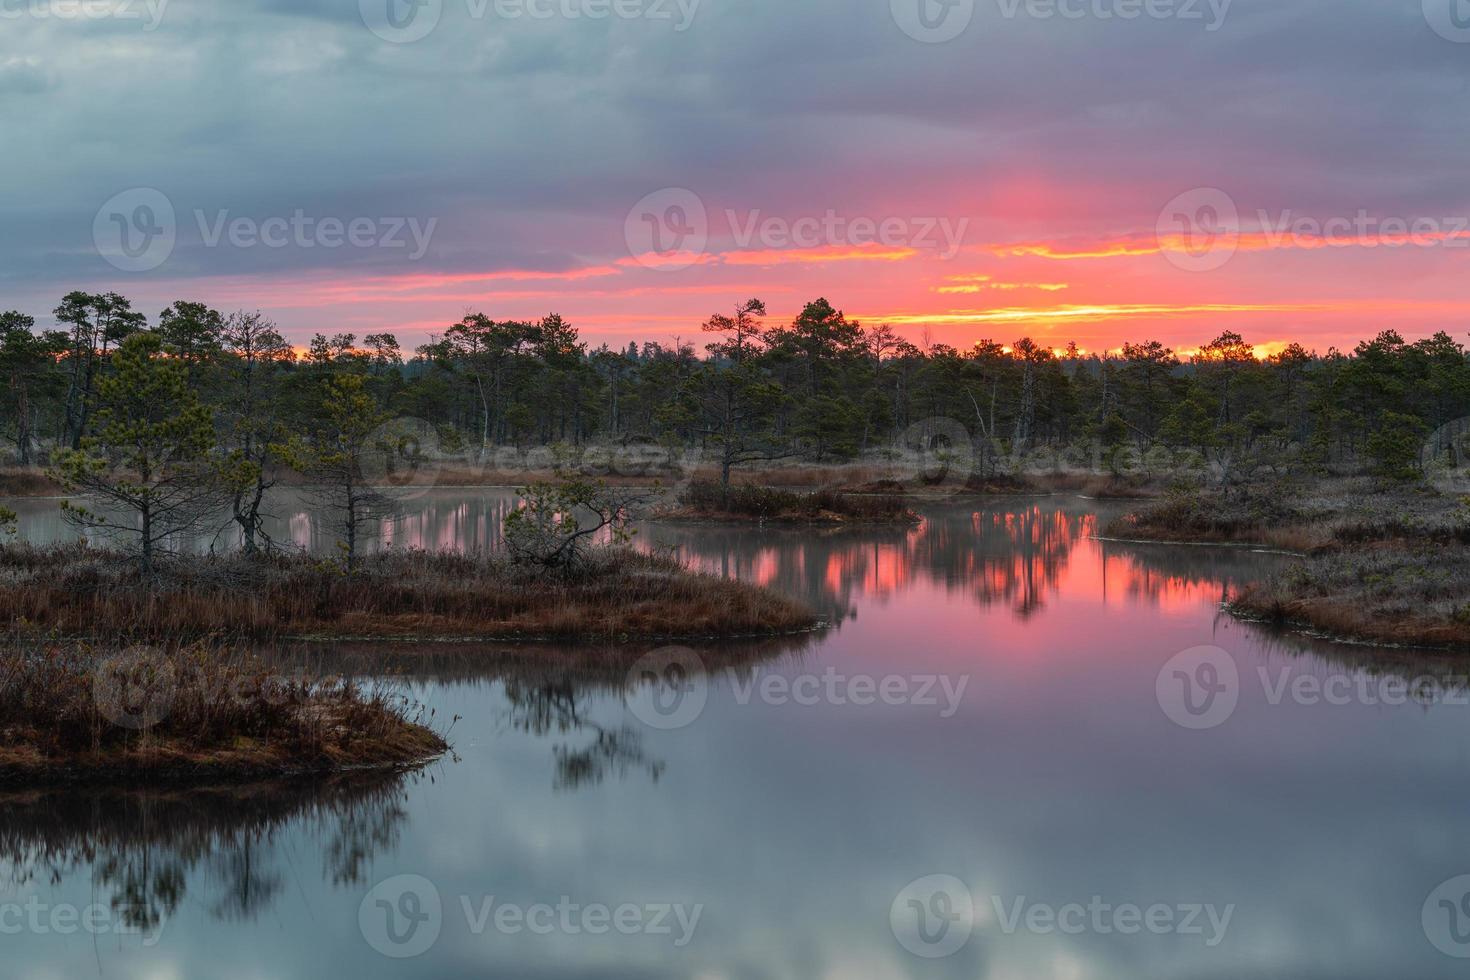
[
  {"x": 710, "y": 499},
  {"x": 65, "y": 709}
]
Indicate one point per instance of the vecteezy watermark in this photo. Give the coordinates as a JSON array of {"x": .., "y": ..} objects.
[
  {"x": 406, "y": 21},
  {"x": 1201, "y": 688},
  {"x": 139, "y": 688},
  {"x": 1202, "y": 229},
  {"x": 136, "y": 688},
  {"x": 1446, "y": 918},
  {"x": 301, "y": 230},
  {"x": 403, "y": 917},
  {"x": 933, "y": 917},
  {"x": 943, "y": 236},
  {"x": 36, "y": 917},
  {"x": 1210, "y": 14},
  {"x": 1450, "y": 19},
  {"x": 1199, "y": 231},
  {"x": 937, "y": 21},
  {"x": 135, "y": 230},
  {"x": 149, "y": 12},
  {"x": 1362, "y": 230},
  {"x": 670, "y": 230},
  {"x": 933, "y": 21},
  {"x": 668, "y": 688},
  {"x": 831, "y": 687},
  {"x": 1205, "y": 921}
]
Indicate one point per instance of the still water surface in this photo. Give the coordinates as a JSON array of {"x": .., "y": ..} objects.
[{"x": 1040, "y": 767}]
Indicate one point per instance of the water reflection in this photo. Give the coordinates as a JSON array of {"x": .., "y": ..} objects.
[
  {"x": 219, "y": 849},
  {"x": 554, "y": 692},
  {"x": 1060, "y": 777},
  {"x": 1015, "y": 554}
]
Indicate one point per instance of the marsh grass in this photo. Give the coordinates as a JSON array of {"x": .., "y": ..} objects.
[
  {"x": 1382, "y": 562},
  {"x": 1389, "y": 593},
  {"x": 68, "y": 711},
  {"x": 17, "y": 481},
  {"x": 615, "y": 593},
  {"x": 703, "y": 500}
]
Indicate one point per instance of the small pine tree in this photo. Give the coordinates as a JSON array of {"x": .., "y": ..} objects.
[{"x": 151, "y": 464}]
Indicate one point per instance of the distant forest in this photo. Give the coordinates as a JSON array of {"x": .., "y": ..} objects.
[{"x": 820, "y": 388}]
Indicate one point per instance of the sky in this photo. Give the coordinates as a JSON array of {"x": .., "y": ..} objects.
[{"x": 1097, "y": 171}]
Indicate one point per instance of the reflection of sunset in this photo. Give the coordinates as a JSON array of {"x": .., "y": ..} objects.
[{"x": 1016, "y": 556}]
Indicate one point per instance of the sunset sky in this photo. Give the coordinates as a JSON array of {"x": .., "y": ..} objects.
[{"x": 1036, "y": 174}]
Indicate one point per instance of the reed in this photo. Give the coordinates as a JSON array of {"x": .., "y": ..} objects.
[
  {"x": 703, "y": 500},
  {"x": 69, "y": 711},
  {"x": 615, "y": 593}
]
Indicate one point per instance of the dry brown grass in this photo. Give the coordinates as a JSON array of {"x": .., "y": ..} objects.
[
  {"x": 1400, "y": 592},
  {"x": 1384, "y": 563},
  {"x": 67, "y": 711},
  {"x": 400, "y": 594},
  {"x": 708, "y": 501},
  {"x": 26, "y": 482}
]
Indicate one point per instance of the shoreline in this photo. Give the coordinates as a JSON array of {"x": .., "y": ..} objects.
[
  {"x": 1375, "y": 564},
  {"x": 193, "y": 714},
  {"x": 106, "y": 773},
  {"x": 619, "y": 595}
]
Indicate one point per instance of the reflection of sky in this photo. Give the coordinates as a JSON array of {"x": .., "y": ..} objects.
[{"x": 1058, "y": 779}]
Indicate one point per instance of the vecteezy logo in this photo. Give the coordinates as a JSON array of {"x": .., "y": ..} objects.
[
  {"x": 1449, "y": 18},
  {"x": 936, "y": 455},
  {"x": 401, "y": 21},
  {"x": 933, "y": 21},
  {"x": 135, "y": 230},
  {"x": 401, "y": 917},
  {"x": 933, "y": 917},
  {"x": 1199, "y": 230},
  {"x": 1446, "y": 457},
  {"x": 135, "y": 689},
  {"x": 668, "y": 230},
  {"x": 404, "y": 458},
  {"x": 1199, "y": 688},
  {"x": 1446, "y": 917},
  {"x": 668, "y": 688}
]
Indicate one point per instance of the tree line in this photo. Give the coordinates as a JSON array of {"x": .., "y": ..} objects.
[{"x": 742, "y": 387}]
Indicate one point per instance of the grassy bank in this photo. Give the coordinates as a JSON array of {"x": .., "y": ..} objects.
[
  {"x": 1385, "y": 563},
  {"x": 26, "y": 482},
  {"x": 708, "y": 501},
  {"x": 1401, "y": 593},
  {"x": 617, "y": 593},
  {"x": 67, "y": 713}
]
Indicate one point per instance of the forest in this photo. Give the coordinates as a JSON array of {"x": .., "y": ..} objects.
[{"x": 822, "y": 388}]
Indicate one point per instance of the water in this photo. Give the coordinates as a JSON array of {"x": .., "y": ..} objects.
[{"x": 793, "y": 819}]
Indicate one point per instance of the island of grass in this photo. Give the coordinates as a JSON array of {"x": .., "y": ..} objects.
[
  {"x": 68, "y": 714},
  {"x": 713, "y": 502},
  {"x": 609, "y": 594},
  {"x": 1380, "y": 562}
]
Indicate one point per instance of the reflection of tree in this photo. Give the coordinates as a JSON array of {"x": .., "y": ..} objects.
[
  {"x": 151, "y": 850},
  {"x": 556, "y": 705},
  {"x": 1010, "y": 552},
  {"x": 1154, "y": 572},
  {"x": 550, "y": 689}
]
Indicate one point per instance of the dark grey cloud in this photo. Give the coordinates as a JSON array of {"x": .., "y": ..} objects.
[{"x": 529, "y": 139}]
